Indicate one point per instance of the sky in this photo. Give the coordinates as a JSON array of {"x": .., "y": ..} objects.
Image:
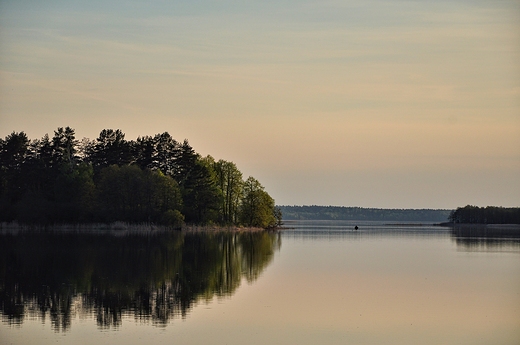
[{"x": 369, "y": 103}]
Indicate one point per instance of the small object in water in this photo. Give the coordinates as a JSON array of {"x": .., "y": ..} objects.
[{"x": 355, "y": 228}]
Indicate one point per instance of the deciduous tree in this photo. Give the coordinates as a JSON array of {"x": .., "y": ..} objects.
[{"x": 258, "y": 208}]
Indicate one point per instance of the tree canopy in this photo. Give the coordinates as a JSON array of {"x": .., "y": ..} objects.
[
  {"x": 155, "y": 179},
  {"x": 485, "y": 215}
]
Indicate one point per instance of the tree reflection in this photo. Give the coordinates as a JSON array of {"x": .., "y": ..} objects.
[
  {"x": 155, "y": 278},
  {"x": 484, "y": 238}
]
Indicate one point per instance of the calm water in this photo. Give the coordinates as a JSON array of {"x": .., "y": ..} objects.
[{"x": 318, "y": 283}]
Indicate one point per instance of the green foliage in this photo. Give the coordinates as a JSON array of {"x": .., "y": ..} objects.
[
  {"x": 229, "y": 180},
  {"x": 172, "y": 218},
  {"x": 257, "y": 209},
  {"x": 201, "y": 195},
  {"x": 128, "y": 193}
]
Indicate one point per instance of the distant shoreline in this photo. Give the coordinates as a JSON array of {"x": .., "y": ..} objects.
[{"x": 315, "y": 212}]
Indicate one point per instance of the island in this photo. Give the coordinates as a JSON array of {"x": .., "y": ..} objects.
[{"x": 110, "y": 180}]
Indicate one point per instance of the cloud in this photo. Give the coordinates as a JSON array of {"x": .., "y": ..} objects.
[{"x": 334, "y": 88}]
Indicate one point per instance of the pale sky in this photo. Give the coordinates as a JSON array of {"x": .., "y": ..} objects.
[{"x": 371, "y": 103}]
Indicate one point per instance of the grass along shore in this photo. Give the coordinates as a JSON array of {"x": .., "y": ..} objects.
[{"x": 120, "y": 228}]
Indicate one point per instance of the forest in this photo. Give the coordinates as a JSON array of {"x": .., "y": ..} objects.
[
  {"x": 485, "y": 215},
  {"x": 359, "y": 213},
  {"x": 154, "y": 179}
]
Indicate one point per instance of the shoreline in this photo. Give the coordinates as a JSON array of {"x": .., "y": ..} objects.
[
  {"x": 479, "y": 225},
  {"x": 218, "y": 228},
  {"x": 123, "y": 228}
]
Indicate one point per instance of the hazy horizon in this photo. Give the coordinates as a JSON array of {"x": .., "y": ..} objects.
[{"x": 379, "y": 103}]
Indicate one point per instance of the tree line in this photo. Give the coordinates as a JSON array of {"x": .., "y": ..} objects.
[
  {"x": 485, "y": 215},
  {"x": 314, "y": 212},
  {"x": 153, "y": 179}
]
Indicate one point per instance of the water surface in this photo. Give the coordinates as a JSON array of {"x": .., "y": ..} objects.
[{"x": 319, "y": 282}]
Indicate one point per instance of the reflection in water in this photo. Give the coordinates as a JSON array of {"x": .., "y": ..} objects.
[
  {"x": 334, "y": 230},
  {"x": 491, "y": 238},
  {"x": 154, "y": 278},
  {"x": 481, "y": 238},
  {"x": 363, "y": 234}
]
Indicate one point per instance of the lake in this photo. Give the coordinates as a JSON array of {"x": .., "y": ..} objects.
[{"x": 318, "y": 282}]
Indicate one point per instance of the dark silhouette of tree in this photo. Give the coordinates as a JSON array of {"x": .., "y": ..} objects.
[
  {"x": 144, "y": 152},
  {"x": 152, "y": 179},
  {"x": 128, "y": 193},
  {"x": 110, "y": 148},
  {"x": 13, "y": 151},
  {"x": 168, "y": 150},
  {"x": 186, "y": 158},
  {"x": 201, "y": 195},
  {"x": 485, "y": 215},
  {"x": 158, "y": 152},
  {"x": 63, "y": 145}
]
